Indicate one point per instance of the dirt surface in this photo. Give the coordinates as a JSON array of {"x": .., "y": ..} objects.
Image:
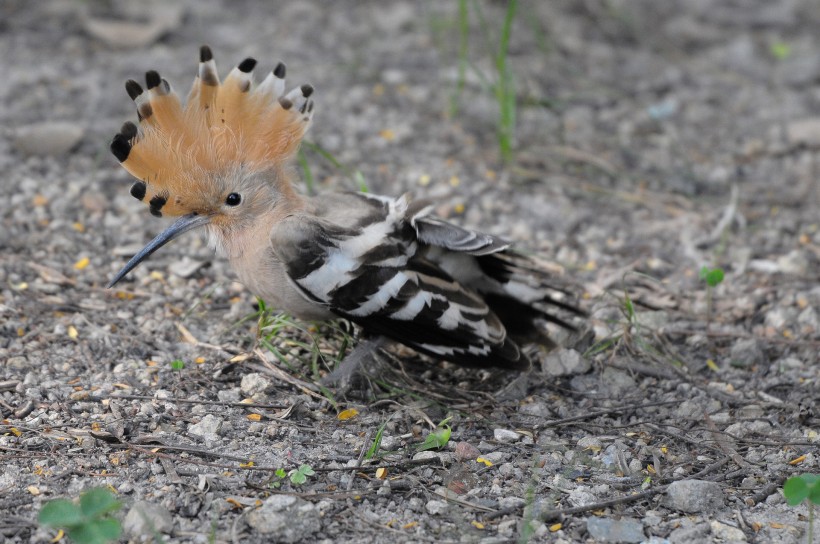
[{"x": 653, "y": 138}]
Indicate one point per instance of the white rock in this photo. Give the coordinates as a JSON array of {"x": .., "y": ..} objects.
[
  {"x": 48, "y": 138},
  {"x": 694, "y": 496},
  {"x": 726, "y": 533},
  {"x": 565, "y": 362},
  {"x": 208, "y": 429},
  {"x": 284, "y": 518},
  {"x": 254, "y": 383},
  {"x": 147, "y": 519},
  {"x": 436, "y": 507}
]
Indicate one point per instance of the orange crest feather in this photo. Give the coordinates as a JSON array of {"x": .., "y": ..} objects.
[{"x": 237, "y": 123}]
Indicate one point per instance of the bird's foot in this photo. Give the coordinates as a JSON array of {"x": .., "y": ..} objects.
[{"x": 354, "y": 373}]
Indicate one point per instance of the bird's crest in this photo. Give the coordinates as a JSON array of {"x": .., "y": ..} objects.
[{"x": 226, "y": 126}]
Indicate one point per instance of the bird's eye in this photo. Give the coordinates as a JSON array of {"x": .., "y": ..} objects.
[{"x": 233, "y": 199}]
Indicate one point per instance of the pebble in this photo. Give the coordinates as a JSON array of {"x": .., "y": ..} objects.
[
  {"x": 435, "y": 507},
  {"x": 48, "y": 138},
  {"x": 804, "y": 132},
  {"x": 124, "y": 33},
  {"x": 254, "y": 383},
  {"x": 589, "y": 443},
  {"x": 726, "y": 533},
  {"x": 694, "y": 496},
  {"x": 611, "y": 530},
  {"x": 185, "y": 267},
  {"x": 617, "y": 382},
  {"x": 147, "y": 519},
  {"x": 690, "y": 533},
  {"x": 506, "y": 436},
  {"x": 208, "y": 429},
  {"x": 284, "y": 518},
  {"x": 565, "y": 362},
  {"x": 466, "y": 451},
  {"x": 535, "y": 409},
  {"x": 746, "y": 353},
  {"x": 581, "y": 496}
]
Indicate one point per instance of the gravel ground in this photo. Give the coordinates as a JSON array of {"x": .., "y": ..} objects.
[{"x": 653, "y": 138}]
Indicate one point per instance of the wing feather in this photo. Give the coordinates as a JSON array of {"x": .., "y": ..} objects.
[{"x": 377, "y": 276}]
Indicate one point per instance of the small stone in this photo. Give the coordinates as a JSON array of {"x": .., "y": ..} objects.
[
  {"x": 466, "y": 451},
  {"x": 565, "y": 362},
  {"x": 617, "y": 382},
  {"x": 17, "y": 362},
  {"x": 254, "y": 383},
  {"x": 385, "y": 489},
  {"x": 746, "y": 353},
  {"x": 589, "y": 443},
  {"x": 185, "y": 267},
  {"x": 208, "y": 429},
  {"x": 794, "y": 262},
  {"x": 535, "y": 409},
  {"x": 506, "y": 436},
  {"x": 581, "y": 496},
  {"x": 495, "y": 457},
  {"x": 435, "y": 507},
  {"x": 511, "y": 502},
  {"x": 726, "y": 533},
  {"x": 285, "y": 518},
  {"x": 426, "y": 455},
  {"x": 809, "y": 318},
  {"x": 694, "y": 496},
  {"x": 147, "y": 519},
  {"x": 611, "y": 530},
  {"x": 48, "y": 138},
  {"x": 804, "y": 132},
  {"x": 123, "y": 32},
  {"x": 690, "y": 533}
]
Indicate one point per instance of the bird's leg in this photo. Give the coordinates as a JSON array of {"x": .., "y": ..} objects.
[{"x": 357, "y": 366}]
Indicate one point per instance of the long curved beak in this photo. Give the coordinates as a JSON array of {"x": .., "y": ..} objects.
[{"x": 178, "y": 228}]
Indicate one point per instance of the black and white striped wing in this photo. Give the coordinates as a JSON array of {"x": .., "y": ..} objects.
[{"x": 375, "y": 277}]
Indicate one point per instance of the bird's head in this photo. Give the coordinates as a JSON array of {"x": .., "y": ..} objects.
[{"x": 221, "y": 160}]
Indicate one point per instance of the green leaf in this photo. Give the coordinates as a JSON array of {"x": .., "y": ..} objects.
[
  {"x": 280, "y": 473},
  {"x": 712, "y": 276},
  {"x": 795, "y": 490},
  {"x": 307, "y": 470},
  {"x": 377, "y": 441},
  {"x": 297, "y": 478},
  {"x": 780, "y": 50},
  {"x": 98, "y": 502},
  {"x": 60, "y": 513},
  {"x": 437, "y": 439},
  {"x": 814, "y": 495},
  {"x": 629, "y": 308},
  {"x": 99, "y": 531},
  {"x": 177, "y": 364}
]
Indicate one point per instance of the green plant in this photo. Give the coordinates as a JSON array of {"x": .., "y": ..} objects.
[
  {"x": 298, "y": 476},
  {"x": 505, "y": 88},
  {"x": 502, "y": 85},
  {"x": 377, "y": 441},
  {"x": 354, "y": 174},
  {"x": 177, "y": 364},
  {"x": 279, "y": 475},
  {"x": 438, "y": 438},
  {"x": 804, "y": 488},
  {"x": 712, "y": 277},
  {"x": 88, "y": 522},
  {"x": 634, "y": 336},
  {"x": 780, "y": 50}
]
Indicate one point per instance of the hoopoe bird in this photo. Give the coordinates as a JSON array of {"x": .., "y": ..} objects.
[{"x": 222, "y": 162}]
